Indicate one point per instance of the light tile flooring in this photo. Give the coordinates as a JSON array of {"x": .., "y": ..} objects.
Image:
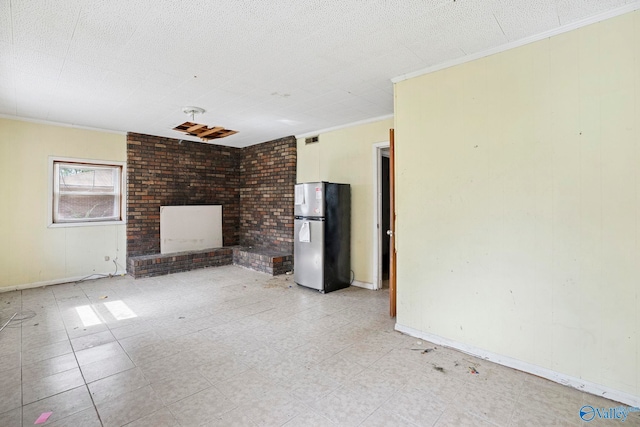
[{"x": 228, "y": 346}]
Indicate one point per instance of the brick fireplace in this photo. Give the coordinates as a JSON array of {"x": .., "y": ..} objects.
[{"x": 254, "y": 185}]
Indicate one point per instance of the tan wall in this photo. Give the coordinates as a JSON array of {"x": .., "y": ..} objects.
[
  {"x": 346, "y": 156},
  {"x": 518, "y": 203},
  {"x": 30, "y": 251}
]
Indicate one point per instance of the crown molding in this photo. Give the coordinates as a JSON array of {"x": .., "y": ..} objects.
[
  {"x": 347, "y": 125},
  {"x": 631, "y": 7}
]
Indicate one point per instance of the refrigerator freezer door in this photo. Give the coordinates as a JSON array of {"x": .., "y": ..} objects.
[
  {"x": 309, "y": 199},
  {"x": 308, "y": 253}
]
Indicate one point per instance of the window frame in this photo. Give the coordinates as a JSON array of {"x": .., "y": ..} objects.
[{"x": 90, "y": 163}]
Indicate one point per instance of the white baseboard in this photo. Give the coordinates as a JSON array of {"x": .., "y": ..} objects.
[
  {"x": 58, "y": 281},
  {"x": 577, "y": 383},
  {"x": 362, "y": 284}
]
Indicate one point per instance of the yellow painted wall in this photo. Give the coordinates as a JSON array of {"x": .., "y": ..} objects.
[
  {"x": 518, "y": 203},
  {"x": 346, "y": 156},
  {"x": 30, "y": 251}
]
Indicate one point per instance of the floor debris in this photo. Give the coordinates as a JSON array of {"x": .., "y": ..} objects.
[
  {"x": 473, "y": 370},
  {"x": 439, "y": 368},
  {"x": 424, "y": 350},
  {"x": 43, "y": 418},
  {"x": 8, "y": 321}
]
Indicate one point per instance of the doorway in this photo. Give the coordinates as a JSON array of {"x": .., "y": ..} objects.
[
  {"x": 385, "y": 221},
  {"x": 382, "y": 216}
]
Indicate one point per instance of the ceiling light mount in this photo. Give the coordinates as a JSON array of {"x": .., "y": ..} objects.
[{"x": 192, "y": 111}]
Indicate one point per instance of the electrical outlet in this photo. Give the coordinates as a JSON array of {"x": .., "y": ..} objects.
[{"x": 106, "y": 258}]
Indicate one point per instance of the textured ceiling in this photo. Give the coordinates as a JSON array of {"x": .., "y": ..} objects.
[{"x": 267, "y": 68}]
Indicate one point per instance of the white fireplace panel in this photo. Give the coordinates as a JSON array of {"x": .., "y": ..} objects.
[{"x": 190, "y": 228}]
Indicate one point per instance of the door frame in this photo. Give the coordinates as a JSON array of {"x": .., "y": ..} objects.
[{"x": 377, "y": 213}]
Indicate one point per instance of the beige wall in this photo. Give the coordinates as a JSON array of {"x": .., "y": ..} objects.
[
  {"x": 30, "y": 251},
  {"x": 346, "y": 156},
  {"x": 518, "y": 203}
]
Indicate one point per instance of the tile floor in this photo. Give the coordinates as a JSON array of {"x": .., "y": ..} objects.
[{"x": 232, "y": 347}]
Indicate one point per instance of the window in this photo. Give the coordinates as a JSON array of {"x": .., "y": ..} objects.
[{"x": 87, "y": 192}]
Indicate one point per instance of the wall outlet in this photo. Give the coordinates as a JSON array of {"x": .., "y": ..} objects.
[{"x": 106, "y": 258}]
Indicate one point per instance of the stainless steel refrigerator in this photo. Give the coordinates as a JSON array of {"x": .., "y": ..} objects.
[{"x": 322, "y": 245}]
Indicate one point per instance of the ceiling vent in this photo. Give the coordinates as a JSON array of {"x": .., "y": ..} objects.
[{"x": 312, "y": 140}]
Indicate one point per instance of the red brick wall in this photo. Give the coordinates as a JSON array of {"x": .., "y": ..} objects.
[
  {"x": 268, "y": 176},
  {"x": 254, "y": 185},
  {"x": 165, "y": 171}
]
